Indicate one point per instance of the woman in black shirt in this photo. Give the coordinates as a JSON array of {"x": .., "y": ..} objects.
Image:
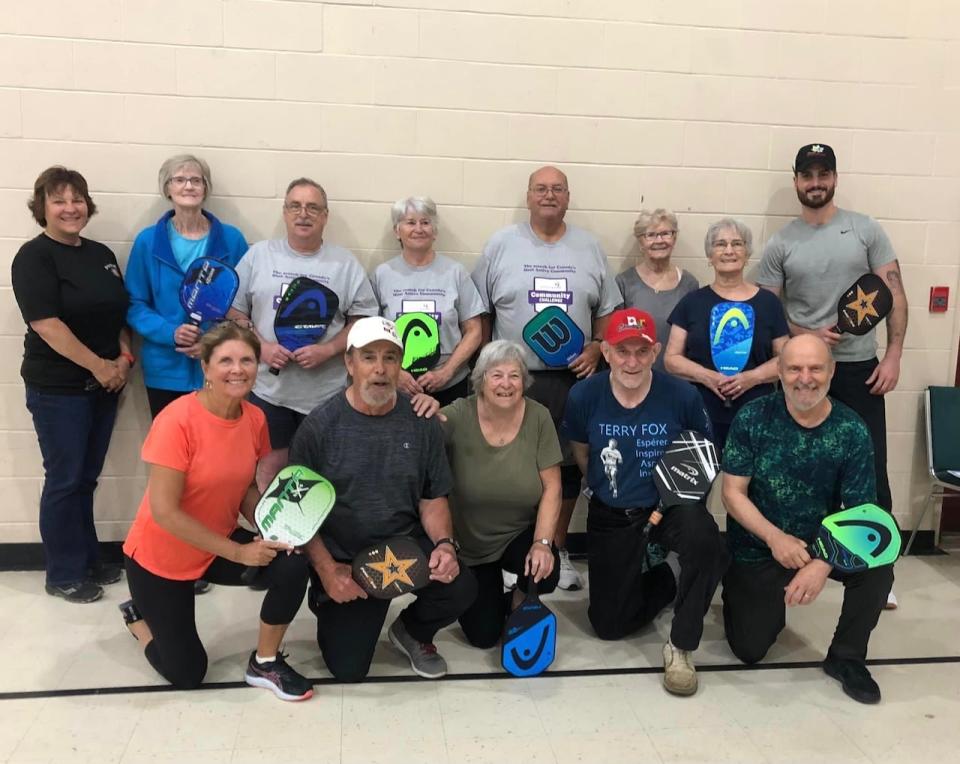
[{"x": 75, "y": 362}]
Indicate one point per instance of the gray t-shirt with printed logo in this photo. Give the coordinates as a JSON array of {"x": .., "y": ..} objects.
[
  {"x": 265, "y": 271},
  {"x": 815, "y": 265},
  {"x": 519, "y": 274},
  {"x": 442, "y": 288}
]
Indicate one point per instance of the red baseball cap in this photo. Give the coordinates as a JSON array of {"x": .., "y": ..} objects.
[{"x": 630, "y": 324}]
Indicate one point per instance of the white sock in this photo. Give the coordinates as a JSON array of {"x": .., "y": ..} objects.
[{"x": 268, "y": 659}]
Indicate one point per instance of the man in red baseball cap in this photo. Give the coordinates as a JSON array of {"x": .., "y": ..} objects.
[{"x": 619, "y": 423}]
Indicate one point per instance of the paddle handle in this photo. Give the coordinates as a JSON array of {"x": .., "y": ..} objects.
[
  {"x": 275, "y": 371},
  {"x": 533, "y": 595},
  {"x": 836, "y": 329}
]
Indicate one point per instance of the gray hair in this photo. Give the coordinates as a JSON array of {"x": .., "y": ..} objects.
[
  {"x": 496, "y": 353},
  {"x": 646, "y": 219},
  {"x": 422, "y": 205},
  {"x": 174, "y": 163},
  {"x": 743, "y": 231},
  {"x": 306, "y": 182}
]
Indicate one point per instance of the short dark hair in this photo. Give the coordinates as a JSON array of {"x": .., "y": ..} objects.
[
  {"x": 52, "y": 179},
  {"x": 224, "y": 332}
]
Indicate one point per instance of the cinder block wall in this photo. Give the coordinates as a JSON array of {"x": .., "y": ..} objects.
[{"x": 696, "y": 105}]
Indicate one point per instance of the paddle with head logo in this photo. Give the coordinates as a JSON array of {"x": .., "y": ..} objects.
[
  {"x": 529, "y": 636},
  {"x": 306, "y": 309},
  {"x": 207, "y": 290},
  {"x": 859, "y": 538},
  {"x": 731, "y": 337},
  {"x": 864, "y": 305},
  {"x": 554, "y": 337},
  {"x": 420, "y": 335}
]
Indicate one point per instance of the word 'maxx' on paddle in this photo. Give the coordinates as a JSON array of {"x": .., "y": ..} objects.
[
  {"x": 529, "y": 636},
  {"x": 859, "y": 538},
  {"x": 420, "y": 334},
  {"x": 684, "y": 473},
  {"x": 305, "y": 311},
  {"x": 391, "y": 568},
  {"x": 554, "y": 337},
  {"x": 731, "y": 337},
  {"x": 207, "y": 290},
  {"x": 864, "y": 305}
]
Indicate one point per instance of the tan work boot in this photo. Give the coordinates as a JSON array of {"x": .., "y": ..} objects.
[{"x": 679, "y": 673}]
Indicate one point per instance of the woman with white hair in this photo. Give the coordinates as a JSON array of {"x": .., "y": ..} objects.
[
  {"x": 505, "y": 457},
  {"x": 655, "y": 285},
  {"x": 420, "y": 280},
  {"x": 728, "y": 246}
]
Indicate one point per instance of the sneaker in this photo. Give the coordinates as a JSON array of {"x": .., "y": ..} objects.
[
  {"x": 854, "y": 677},
  {"x": 509, "y": 580},
  {"x": 276, "y": 675},
  {"x": 79, "y": 592},
  {"x": 679, "y": 673},
  {"x": 569, "y": 577},
  {"x": 891, "y": 603},
  {"x": 201, "y": 587},
  {"x": 424, "y": 658},
  {"x": 103, "y": 574}
]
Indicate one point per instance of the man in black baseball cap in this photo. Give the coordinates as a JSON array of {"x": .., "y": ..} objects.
[{"x": 815, "y": 154}]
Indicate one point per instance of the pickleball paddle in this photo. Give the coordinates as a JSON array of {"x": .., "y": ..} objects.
[
  {"x": 207, "y": 290},
  {"x": 864, "y": 305},
  {"x": 859, "y": 538},
  {"x": 731, "y": 337},
  {"x": 554, "y": 337},
  {"x": 420, "y": 335},
  {"x": 391, "y": 568},
  {"x": 306, "y": 309},
  {"x": 529, "y": 636},
  {"x": 684, "y": 474}
]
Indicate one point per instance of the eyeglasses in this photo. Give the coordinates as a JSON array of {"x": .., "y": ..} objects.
[
  {"x": 310, "y": 210},
  {"x": 723, "y": 244},
  {"x": 180, "y": 180},
  {"x": 541, "y": 190},
  {"x": 654, "y": 235}
]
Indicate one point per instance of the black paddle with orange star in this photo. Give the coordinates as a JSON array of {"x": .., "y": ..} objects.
[
  {"x": 391, "y": 568},
  {"x": 864, "y": 305}
]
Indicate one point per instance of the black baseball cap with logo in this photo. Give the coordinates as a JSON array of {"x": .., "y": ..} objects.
[{"x": 815, "y": 153}]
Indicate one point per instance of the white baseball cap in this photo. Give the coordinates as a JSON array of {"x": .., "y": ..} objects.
[{"x": 371, "y": 329}]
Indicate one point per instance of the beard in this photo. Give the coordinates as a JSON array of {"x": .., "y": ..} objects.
[
  {"x": 375, "y": 397},
  {"x": 816, "y": 205},
  {"x": 801, "y": 402}
]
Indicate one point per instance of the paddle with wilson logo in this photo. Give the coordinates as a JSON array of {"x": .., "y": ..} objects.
[
  {"x": 306, "y": 309},
  {"x": 859, "y": 538},
  {"x": 207, "y": 290},
  {"x": 684, "y": 474},
  {"x": 420, "y": 335},
  {"x": 529, "y": 636},
  {"x": 731, "y": 337},
  {"x": 554, "y": 337},
  {"x": 864, "y": 305}
]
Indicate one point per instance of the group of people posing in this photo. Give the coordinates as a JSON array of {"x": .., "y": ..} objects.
[{"x": 480, "y": 459}]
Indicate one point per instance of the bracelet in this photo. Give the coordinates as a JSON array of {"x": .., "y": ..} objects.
[{"x": 130, "y": 358}]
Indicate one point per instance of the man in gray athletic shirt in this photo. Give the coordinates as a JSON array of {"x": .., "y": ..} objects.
[
  {"x": 812, "y": 261},
  {"x": 526, "y": 267}
]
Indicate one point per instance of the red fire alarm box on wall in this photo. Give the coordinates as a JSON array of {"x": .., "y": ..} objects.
[{"x": 939, "y": 296}]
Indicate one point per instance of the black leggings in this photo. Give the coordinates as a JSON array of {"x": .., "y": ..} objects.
[
  {"x": 167, "y": 607},
  {"x": 483, "y": 622},
  {"x": 159, "y": 399}
]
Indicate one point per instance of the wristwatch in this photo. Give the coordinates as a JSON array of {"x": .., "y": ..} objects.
[
  {"x": 545, "y": 542},
  {"x": 447, "y": 540}
]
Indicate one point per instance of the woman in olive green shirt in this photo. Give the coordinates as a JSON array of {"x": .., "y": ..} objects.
[{"x": 505, "y": 456}]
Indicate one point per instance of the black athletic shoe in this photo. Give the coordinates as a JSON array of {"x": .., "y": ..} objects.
[
  {"x": 276, "y": 675},
  {"x": 103, "y": 574},
  {"x": 80, "y": 592},
  {"x": 854, "y": 677}
]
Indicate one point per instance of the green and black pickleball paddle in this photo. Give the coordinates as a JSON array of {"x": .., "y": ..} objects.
[
  {"x": 859, "y": 538},
  {"x": 420, "y": 334}
]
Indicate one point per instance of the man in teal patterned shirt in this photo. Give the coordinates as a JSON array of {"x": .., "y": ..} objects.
[{"x": 791, "y": 458}]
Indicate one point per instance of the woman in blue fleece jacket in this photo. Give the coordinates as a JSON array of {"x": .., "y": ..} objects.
[{"x": 158, "y": 261}]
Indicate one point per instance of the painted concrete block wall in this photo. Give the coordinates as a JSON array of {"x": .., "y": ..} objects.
[{"x": 699, "y": 106}]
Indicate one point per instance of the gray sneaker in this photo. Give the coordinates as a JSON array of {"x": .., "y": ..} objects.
[{"x": 424, "y": 658}]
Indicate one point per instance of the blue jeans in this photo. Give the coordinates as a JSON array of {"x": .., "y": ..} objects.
[{"x": 74, "y": 433}]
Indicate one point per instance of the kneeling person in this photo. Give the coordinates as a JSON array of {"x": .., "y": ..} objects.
[
  {"x": 791, "y": 458},
  {"x": 643, "y": 410},
  {"x": 391, "y": 477}
]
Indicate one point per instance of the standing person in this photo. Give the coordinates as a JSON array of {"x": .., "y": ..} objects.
[
  {"x": 312, "y": 374},
  {"x": 391, "y": 477},
  {"x": 792, "y": 458},
  {"x": 645, "y": 409},
  {"x": 529, "y": 266},
  {"x": 810, "y": 262},
  {"x": 728, "y": 245},
  {"x": 654, "y": 284},
  {"x": 505, "y": 457},
  {"x": 203, "y": 450},
  {"x": 76, "y": 357},
  {"x": 159, "y": 259},
  {"x": 420, "y": 280}
]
